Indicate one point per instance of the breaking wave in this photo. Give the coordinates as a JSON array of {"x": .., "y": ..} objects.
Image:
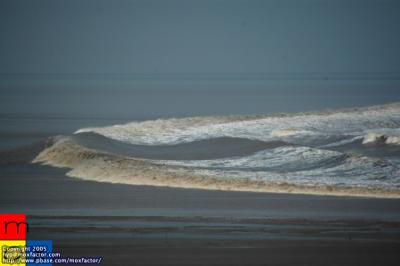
[
  {"x": 313, "y": 153},
  {"x": 299, "y": 128},
  {"x": 383, "y": 136}
]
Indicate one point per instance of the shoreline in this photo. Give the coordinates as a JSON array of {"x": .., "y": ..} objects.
[
  {"x": 145, "y": 225},
  {"x": 44, "y": 190},
  {"x": 219, "y": 185}
]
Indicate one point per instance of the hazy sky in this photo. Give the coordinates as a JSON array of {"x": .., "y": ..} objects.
[{"x": 285, "y": 36}]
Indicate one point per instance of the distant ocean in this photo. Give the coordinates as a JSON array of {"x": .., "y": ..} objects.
[{"x": 305, "y": 134}]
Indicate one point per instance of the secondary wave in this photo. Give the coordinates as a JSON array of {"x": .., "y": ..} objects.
[{"x": 300, "y": 128}]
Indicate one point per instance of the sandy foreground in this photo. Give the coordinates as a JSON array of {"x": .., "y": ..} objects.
[{"x": 143, "y": 225}]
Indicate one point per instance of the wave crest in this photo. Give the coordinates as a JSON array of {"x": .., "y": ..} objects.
[
  {"x": 383, "y": 136},
  {"x": 299, "y": 128},
  {"x": 90, "y": 164}
]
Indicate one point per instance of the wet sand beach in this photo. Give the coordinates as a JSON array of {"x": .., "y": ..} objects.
[{"x": 143, "y": 225}]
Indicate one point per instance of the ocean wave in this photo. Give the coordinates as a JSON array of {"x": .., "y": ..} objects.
[
  {"x": 215, "y": 148},
  {"x": 300, "y": 128},
  {"x": 284, "y": 132},
  {"x": 313, "y": 153},
  {"x": 343, "y": 142},
  {"x": 283, "y": 159},
  {"x": 337, "y": 174},
  {"x": 383, "y": 136}
]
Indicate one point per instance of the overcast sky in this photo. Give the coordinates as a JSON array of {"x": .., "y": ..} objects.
[{"x": 285, "y": 36}]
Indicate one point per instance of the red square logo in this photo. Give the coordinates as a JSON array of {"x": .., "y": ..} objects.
[{"x": 13, "y": 226}]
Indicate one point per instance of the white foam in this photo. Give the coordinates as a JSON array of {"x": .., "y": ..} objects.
[
  {"x": 271, "y": 158},
  {"x": 300, "y": 166},
  {"x": 345, "y": 141},
  {"x": 287, "y": 132},
  {"x": 295, "y": 128},
  {"x": 395, "y": 140},
  {"x": 383, "y": 136}
]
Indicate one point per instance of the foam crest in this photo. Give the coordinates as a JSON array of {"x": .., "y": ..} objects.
[
  {"x": 383, "y": 136},
  {"x": 296, "y": 128}
]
